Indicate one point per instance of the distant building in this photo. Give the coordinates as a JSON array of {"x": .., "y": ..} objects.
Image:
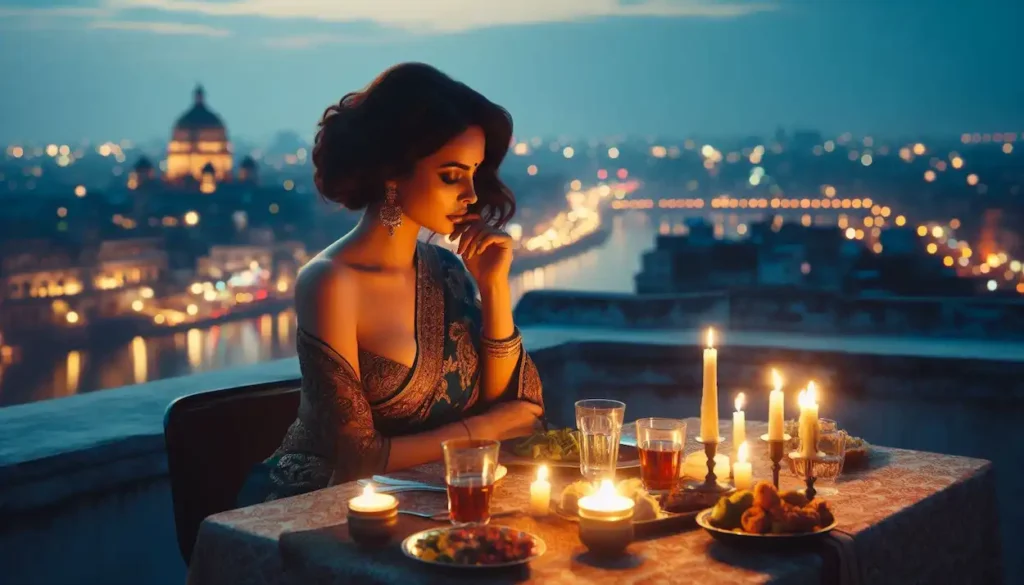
[
  {"x": 199, "y": 144},
  {"x": 678, "y": 264},
  {"x": 773, "y": 257}
]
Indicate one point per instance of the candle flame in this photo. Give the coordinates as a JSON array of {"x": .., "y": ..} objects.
[
  {"x": 711, "y": 338},
  {"x": 776, "y": 379},
  {"x": 542, "y": 473},
  {"x": 808, "y": 397},
  {"x": 741, "y": 400},
  {"x": 607, "y": 489},
  {"x": 742, "y": 453},
  {"x": 368, "y": 490}
]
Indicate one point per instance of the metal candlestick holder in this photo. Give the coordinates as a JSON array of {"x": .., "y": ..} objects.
[
  {"x": 806, "y": 465},
  {"x": 710, "y": 483},
  {"x": 776, "y": 450}
]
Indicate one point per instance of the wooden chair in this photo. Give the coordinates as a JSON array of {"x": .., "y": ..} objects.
[{"x": 213, "y": 440}]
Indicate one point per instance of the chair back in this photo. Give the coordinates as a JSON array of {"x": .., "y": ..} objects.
[{"x": 214, "y": 439}]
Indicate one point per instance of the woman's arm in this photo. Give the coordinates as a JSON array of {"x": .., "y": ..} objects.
[{"x": 496, "y": 367}]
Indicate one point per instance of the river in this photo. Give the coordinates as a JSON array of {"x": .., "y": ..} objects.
[{"x": 37, "y": 375}]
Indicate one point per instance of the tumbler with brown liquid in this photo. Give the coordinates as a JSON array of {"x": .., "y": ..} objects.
[
  {"x": 469, "y": 500},
  {"x": 470, "y": 467},
  {"x": 660, "y": 442}
]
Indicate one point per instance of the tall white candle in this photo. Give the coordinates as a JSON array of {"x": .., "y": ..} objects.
[
  {"x": 739, "y": 422},
  {"x": 540, "y": 493},
  {"x": 808, "y": 401},
  {"x": 776, "y": 406},
  {"x": 742, "y": 470},
  {"x": 709, "y": 397}
]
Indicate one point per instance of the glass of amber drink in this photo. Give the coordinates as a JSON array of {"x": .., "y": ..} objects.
[
  {"x": 470, "y": 466},
  {"x": 660, "y": 442}
]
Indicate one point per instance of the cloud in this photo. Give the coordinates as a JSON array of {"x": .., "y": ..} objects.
[
  {"x": 55, "y": 12},
  {"x": 160, "y": 28},
  {"x": 306, "y": 41},
  {"x": 441, "y": 16}
]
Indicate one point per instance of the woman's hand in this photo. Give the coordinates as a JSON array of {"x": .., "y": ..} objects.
[
  {"x": 486, "y": 250},
  {"x": 506, "y": 420}
]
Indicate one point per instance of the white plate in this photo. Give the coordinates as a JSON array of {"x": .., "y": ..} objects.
[{"x": 409, "y": 548}]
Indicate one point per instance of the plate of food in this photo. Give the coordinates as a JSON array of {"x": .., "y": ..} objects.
[
  {"x": 474, "y": 547},
  {"x": 766, "y": 517},
  {"x": 652, "y": 514},
  {"x": 557, "y": 448}
]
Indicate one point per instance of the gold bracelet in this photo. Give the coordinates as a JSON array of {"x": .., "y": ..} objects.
[{"x": 502, "y": 348}]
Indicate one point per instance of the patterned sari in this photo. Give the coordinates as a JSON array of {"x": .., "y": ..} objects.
[{"x": 345, "y": 424}]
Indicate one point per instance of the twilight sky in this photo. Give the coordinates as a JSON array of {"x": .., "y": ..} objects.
[{"x": 107, "y": 69}]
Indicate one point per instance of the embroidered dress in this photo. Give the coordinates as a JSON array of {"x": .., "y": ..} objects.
[{"x": 345, "y": 424}]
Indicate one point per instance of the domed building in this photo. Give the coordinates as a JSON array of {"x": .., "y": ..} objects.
[{"x": 199, "y": 140}]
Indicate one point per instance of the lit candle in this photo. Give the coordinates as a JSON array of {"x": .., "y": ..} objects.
[
  {"x": 540, "y": 493},
  {"x": 742, "y": 470},
  {"x": 371, "y": 501},
  {"x": 808, "y": 401},
  {"x": 606, "y": 504},
  {"x": 739, "y": 422},
  {"x": 606, "y": 520},
  {"x": 709, "y": 398},
  {"x": 776, "y": 405}
]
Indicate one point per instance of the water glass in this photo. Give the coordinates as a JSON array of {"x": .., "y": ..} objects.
[
  {"x": 600, "y": 425},
  {"x": 469, "y": 469},
  {"x": 831, "y": 455},
  {"x": 660, "y": 442}
]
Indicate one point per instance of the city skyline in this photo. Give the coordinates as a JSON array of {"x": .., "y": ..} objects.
[{"x": 125, "y": 68}]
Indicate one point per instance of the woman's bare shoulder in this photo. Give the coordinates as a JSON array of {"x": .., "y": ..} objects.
[{"x": 327, "y": 304}]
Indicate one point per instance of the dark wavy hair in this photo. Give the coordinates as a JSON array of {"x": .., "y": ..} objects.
[{"x": 406, "y": 114}]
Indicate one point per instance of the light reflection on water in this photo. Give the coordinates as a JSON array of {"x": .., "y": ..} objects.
[{"x": 38, "y": 376}]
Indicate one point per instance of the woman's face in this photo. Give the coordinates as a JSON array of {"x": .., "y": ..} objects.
[{"x": 440, "y": 188}]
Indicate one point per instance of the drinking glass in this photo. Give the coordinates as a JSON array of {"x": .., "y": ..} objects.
[
  {"x": 600, "y": 426},
  {"x": 469, "y": 468},
  {"x": 661, "y": 442},
  {"x": 831, "y": 455}
]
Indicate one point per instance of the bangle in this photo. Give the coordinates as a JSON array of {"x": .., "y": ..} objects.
[
  {"x": 502, "y": 348},
  {"x": 469, "y": 433}
]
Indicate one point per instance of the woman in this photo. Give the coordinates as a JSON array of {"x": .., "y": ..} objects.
[{"x": 397, "y": 352}]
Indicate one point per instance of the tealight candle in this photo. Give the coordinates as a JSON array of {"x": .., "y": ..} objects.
[
  {"x": 606, "y": 520},
  {"x": 808, "y": 401},
  {"x": 742, "y": 470},
  {"x": 776, "y": 406},
  {"x": 739, "y": 421},
  {"x": 540, "y": 493},
  {"x": 370, "y": 501},
  {"x": 372, "y": 517},
  {"x": 709, "y": 396}
]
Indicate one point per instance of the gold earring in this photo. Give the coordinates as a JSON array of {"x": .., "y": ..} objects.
[{"x": 390, "y": 212}]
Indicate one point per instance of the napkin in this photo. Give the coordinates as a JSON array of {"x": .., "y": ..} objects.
[{"x": 328, "y": 555}]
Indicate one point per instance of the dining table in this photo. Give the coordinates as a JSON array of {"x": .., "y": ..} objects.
[{"x": 905, "y": 517}]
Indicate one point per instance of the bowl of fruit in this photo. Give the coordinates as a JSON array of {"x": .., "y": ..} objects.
[{"x": 766, "y": 517}]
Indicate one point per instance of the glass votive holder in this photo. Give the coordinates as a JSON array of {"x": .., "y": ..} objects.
[
  {"x": 372, "y": 518},
  {"x": 606, "y": 521},
  {"x": 606, "y": 535}
]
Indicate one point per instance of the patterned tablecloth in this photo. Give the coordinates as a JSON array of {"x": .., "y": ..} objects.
[{"x": 911, "y": 517}]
